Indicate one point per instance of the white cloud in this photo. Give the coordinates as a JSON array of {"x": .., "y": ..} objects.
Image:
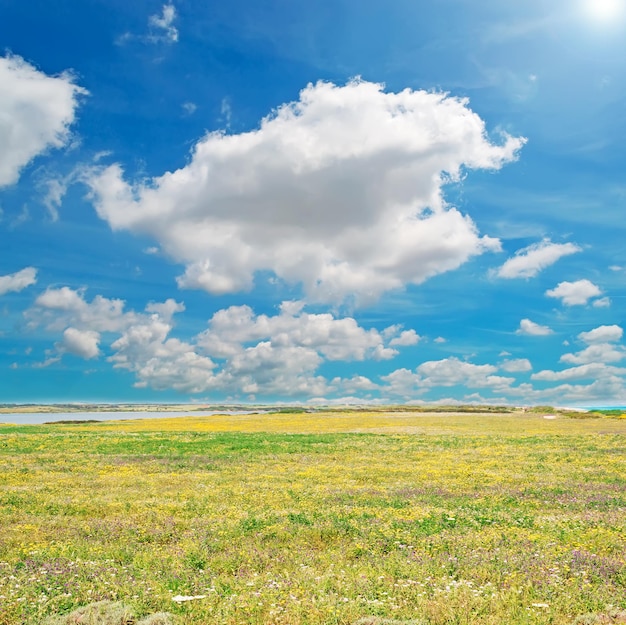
[
  {"x": 83, "y": 343},
  {"x": 340, "y": 191},
  {"x": 597, "y": 352},
  {"x": 601, "y": 348},
  {"x": 452, "y": 372},
  {"x": 167, "y": 309},
  {"x": 251, "y": 354},
  {"x": 588, "y": 371},
  {"x": 270, "y": 369},
  {"x": 50, "y": 360},
  {"x": 162, "y": 26},
  {"x": 356, "y": 384},
  {"x": 403, "y": 382},
  {"x": 444, "y": 373},
  {"x": 408, "y": 337},
  {"x": 239, "y": 353},
  {"x": 189, "y": 108},
  {"x": 53, "y": 198},
  {"x": 58, "y": 309},
  {"x": 610, "y": 387},
  {"x": 602, "y": 334},
  {"x": 391, "y": 331},
  {"x": 161, "y": 362},
  {"x": 530, "y": 328},
  {"x": 226, "y": 112},
  {"x": 516, "y": 365},
  {"x": 603, "y": 302},
  {"x": 36, "y": 111},
  {"x": 440, "y": 340},
  {"x": 18, "y": 281},
  {"x": 529, "y": 261},
  {"x": 142, "y": 344},
  {"x": 334, "y": 339},
  {"x": 55, "y": 190},
  {"x": 575, "y": 293}
]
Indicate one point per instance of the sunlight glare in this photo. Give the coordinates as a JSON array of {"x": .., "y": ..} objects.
[{"x": 604, "y": 9}]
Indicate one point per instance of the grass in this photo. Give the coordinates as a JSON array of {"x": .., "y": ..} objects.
[{"x": 329, "y": 518}]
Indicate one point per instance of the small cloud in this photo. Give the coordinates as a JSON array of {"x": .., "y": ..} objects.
[
  {"x": 18, "y": 281},
  {"x": 517, "y": 365},
  {"x": 53, "y": 197},
  {"x": 98, "y": 156},
  {"x": 602, "y": 334},
  {"x": 616, "y": 268},
  {"x": 530, "y": 328},
  {"x": 408, "y": 337},
  {"x": 391, "y": 331},
  {"x": 161, "y": 29},
  {"x": 47, "y": 362},
  {"x": 151, "y": 250},
  {"x": 189, "y": 108},
  {"x": 575, "y": 293},
  {"x": 440, "y": 339},
  {"x": 596, "y": 353},
  {"x": 226, "y": 112},
  {"x": 603, "y": 302},
  {"x": 384, "y": 353},
  {"x": 529, "y": 261},
  {"x": 356, "y": 384},
  {"x": 124, "y": 38},
  {"x": 163, "y": 25}
]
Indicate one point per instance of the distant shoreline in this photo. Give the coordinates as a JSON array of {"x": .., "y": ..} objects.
[
  {"x": 40, "y": 414},
  {"x": 41, "y": 418},
  {"x": 55, "y": 408}
]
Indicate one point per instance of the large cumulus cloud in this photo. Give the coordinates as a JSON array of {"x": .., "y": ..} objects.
[
  {"x": 36, "y": 111},
  {"x": 340, "y": 191}
]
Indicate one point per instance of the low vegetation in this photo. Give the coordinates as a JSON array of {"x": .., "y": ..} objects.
[{"x": 374, "y": 518}]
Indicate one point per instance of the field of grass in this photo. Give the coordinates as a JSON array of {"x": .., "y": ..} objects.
[{"x": 318, "y": 518}]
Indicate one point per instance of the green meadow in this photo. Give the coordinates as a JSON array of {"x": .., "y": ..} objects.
[{"x": 326, "y": 518}]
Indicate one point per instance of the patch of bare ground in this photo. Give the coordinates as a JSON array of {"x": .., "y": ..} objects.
[
  {"x": 610, "y": 617},
  {"x": 108, "y": 613}
]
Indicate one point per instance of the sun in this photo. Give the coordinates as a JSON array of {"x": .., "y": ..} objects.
[{"x": 605, "y": 9}]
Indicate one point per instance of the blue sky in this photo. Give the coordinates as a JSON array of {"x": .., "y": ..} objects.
[{"x": 330, "y": 202}]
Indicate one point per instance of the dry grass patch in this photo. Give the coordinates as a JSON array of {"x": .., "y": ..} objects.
[
  {"x": 108, "y": 613},
  {"x": 611, "y": 617}
]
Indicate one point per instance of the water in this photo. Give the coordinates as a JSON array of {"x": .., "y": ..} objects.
[
  {"x": 34, "y": 418},
  {"x": 608, "y": 407}
]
